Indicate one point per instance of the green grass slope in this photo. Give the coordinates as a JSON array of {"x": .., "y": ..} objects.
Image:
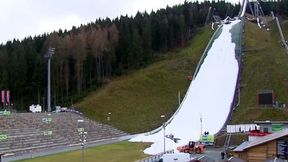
[
  {"x": 265, "y": 68},
  {"x": 122, "y": 151},
  {"x": 136, "y": 101}
]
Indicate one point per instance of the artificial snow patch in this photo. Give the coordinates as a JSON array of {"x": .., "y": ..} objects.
[{"x": 209, "y": 95}]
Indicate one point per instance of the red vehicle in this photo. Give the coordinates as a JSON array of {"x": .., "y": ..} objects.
[{"x": 192, "y": 147}]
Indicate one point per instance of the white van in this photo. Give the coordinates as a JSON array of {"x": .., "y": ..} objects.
[{"x": 177, "y": 157}]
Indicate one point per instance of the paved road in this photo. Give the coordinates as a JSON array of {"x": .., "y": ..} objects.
[
  {"x": 64, "y": 149},
  {"x": 213, "y": 154}
]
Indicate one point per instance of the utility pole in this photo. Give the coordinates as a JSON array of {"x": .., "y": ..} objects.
[
  {"x": 200, "y": 124},
  {"x": 49, "y": 56},
  {"x": 179, "y": 98}
]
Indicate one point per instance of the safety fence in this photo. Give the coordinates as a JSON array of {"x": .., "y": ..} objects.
[
  {"x": 241, "y": 128},
  {"x": 157, "y": 157}
]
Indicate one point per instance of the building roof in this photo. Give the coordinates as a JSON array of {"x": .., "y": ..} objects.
[
  {"x": 265, "y": 91},
  {"x": 271, "y": 122},
  {"x": 242, "y": 146},
  {"x": 233, "y": 159},
  {"x": 276, "y": 160},
  {"x": 261, "y": 140}
]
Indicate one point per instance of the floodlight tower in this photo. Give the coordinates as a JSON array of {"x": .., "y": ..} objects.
[
  {"x": 49, "y": 56},
  {"x": 164, "y": 125}
]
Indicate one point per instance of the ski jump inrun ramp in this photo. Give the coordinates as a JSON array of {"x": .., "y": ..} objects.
[{"x": 208, "y": 99}]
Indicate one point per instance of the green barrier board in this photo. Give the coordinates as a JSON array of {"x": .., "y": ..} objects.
[
  {"x": 47, "y": 120},
  {"x": 47, "y": 133},
  {"x": 80, "y": 129},
  {"x": 5, "y": 113},
  {"x": 277, "y": 127},
  {"x": 3, "y": 137}
]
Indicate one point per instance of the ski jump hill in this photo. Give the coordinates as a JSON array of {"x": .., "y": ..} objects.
[{"x": 209, "y": 98}]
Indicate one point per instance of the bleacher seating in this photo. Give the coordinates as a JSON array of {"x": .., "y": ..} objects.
[{"x": 27, "y": 132}]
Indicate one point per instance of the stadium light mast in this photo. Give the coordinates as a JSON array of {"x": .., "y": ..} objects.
[
  {"x": 163, "y": 116},
  {"x": 49, "y": 56},
  {"x": 82, "y": 135}
]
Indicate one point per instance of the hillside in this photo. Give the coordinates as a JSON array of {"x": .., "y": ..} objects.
[
  {"x": 265, "y": 68},
  {"x": 137, "y": 100},
  {"x": 132, "y": 98}
]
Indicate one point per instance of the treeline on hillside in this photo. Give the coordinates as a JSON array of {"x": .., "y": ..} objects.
[
  {"x": 88, "y": 56},
  {"x": 280, "y": 7}
]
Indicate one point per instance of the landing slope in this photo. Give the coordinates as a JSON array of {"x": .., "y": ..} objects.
[{"x": 209, "y": 95}]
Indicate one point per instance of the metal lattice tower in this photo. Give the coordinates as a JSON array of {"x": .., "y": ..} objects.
[
  {"x": 256, "y": 9},
  {"x": 258, "y": 12},
  {"x": 250, "y": 6}
]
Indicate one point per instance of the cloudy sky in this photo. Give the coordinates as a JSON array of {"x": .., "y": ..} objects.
[{"x": 21, "y": 18}]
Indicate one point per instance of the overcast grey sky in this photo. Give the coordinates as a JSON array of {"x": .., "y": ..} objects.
[{"x": 21, "y": 18}]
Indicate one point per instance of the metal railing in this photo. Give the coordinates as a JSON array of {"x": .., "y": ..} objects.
[
  {"x": 156, "y": 158},
  {"x": 284, "y": 42}
]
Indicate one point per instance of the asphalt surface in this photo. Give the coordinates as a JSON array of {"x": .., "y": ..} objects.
[{"x": 211, "y": 154}]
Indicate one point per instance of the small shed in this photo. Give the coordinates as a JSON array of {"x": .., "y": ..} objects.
[
  {"x": 266, "y": 97},
  {"x": 264, "y": 148}
]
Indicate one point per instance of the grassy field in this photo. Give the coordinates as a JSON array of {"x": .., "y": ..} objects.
[
  {"x": 131, "y": 99},
  {"x": 265, "y": 68},
  {"x": 122, "y": 151}
]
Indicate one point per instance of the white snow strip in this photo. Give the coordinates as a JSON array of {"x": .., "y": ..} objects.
[
  {"x": 245, "y": 2},
  {"x": 210, "y": 94},
  {"x": 258, "y": 22}
]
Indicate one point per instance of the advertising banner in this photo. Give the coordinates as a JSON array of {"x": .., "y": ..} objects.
[
  {"x": 277, "y": 127},
  {"x": 8, "y": 96},
  {"x": 3, "y": 96}
]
